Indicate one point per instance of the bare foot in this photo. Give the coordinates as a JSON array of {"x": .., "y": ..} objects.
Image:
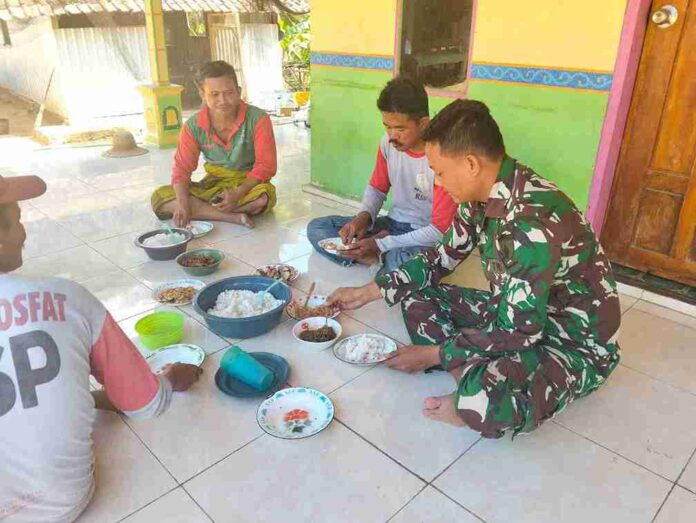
[
  {"x": 247, "y": 221},
  {"x": 442, "y": 408},
  {"x": 239, "y": 218}
]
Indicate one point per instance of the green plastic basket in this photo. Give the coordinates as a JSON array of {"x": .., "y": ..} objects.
[{"x": 160, "y": 329}]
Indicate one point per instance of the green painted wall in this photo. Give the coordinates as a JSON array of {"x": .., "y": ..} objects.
[
  {"x": 346, "y": 128},
  {"x": 554, "y": 131}
]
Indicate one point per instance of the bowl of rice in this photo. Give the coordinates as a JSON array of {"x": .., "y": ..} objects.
[
  {"x": 230, "y": 308},
  {"x": 160, "y": 245}
]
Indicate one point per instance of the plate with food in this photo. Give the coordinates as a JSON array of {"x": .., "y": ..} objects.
[
  {"x": 180, "y": 292},
  {"x": 295, "y": 413},
  {"x": 364, "y": 349},
  {"x": 278, "y": 271},
  {"x": 316, "y": 306},
  {"x": 181, "y": 353},
  {"x": 334, "y": 245}
]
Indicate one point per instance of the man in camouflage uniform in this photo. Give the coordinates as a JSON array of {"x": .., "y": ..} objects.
[{"x": 546, "y": 332}]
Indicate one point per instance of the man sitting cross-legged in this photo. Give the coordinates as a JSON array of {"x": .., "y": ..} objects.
[
  {"x": 237, "y": 142},
  {"x": 420, "y": 213}
]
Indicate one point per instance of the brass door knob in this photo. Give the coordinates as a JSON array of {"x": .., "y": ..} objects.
[{"x": 666, "y": 16}]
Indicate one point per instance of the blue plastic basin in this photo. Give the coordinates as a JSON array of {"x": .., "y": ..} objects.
[{"x": 241, "y": 327}]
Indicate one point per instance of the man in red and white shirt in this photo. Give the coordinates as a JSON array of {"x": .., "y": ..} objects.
[
  {"x": 53, "y": 335},
  {"x": 420, "y": 212}
]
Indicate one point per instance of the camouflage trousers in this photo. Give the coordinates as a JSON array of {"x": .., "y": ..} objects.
[{"x": 505, "y": 391}]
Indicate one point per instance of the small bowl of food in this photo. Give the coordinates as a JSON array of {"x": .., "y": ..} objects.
[
  {"x": 200, "y": 262},
  {"x": 180, "y": 292},
  {"x": 278, "y": 271},
  {"x": 316, "y": 307},
  {"x": 160, "y": 245},
  {"x": 317, "y": 333}
]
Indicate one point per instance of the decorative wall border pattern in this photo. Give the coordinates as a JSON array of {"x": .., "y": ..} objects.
[
  {"x": 593, "y": 81},
  {"x": 378, "y": 63}
]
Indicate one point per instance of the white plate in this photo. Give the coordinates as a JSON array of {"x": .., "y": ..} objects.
[
  {"x": 314, "y": 301},
  {"x": 333, "y": 245},
  {"x": 202, "y": 228},
  {"x": 295, "y": 413},
  {"x": 294, "y": 273},
  {"x": 196, "y": 284},
  {"x": 339, "y": 349},
  {"x": 175, "y": 354}
]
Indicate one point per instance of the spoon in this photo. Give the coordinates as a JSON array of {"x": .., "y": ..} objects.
[
  {"x": 170, "y": 232},
  {"x": 311, "y": 290},
  {"x": 260, "y": 297}
]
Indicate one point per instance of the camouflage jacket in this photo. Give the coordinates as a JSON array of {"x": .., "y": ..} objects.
[{"x": 551, "y": 283}]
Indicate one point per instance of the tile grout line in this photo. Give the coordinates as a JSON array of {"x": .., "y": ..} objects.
[
  {"x": 407, "y": 503},
  {"x": 612, "y": 451},
  {"x": 687, "y": 325},
  {"x": 381, "y": 451},
  {"x": 688, "y": 462},
  {"x": 148, "y": 504},
  {"x": 152, "y": 453},
  {"x": 658, "y": 379},
  {"x": 188, "y": 480},
  {"x": 458, "y": 504},
  {"x": 455, "y": 460},
  {"x": 197, "y": 504},
  {"x": 664, "y": 501}
]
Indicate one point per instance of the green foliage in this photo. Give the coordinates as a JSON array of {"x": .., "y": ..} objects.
[
  {"x": 296, "y": 51},
  {"x": 296, "y": 38}
]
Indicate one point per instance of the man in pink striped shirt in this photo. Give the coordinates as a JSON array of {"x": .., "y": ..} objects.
[
  {"x": 237, "y": 142},
  {"x": 53, "y": 335}
]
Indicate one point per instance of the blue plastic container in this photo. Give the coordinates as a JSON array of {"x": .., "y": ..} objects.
[{"x": 241, "y": 327}]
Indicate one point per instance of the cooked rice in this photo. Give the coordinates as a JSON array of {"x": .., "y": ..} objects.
[
  {"x": 367, "y": 348},
  {"x": 163, "y": 239},
  {"x": 242, "y": 304}
]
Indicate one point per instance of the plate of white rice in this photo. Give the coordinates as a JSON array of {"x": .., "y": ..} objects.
[
  {"x": 364, "y": 349},
  {"x": 242, "y": 304}
]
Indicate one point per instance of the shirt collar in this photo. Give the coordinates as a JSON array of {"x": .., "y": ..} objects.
[
  {"x": 205, "y": 123},
  {"x": 501, "y": 192}
]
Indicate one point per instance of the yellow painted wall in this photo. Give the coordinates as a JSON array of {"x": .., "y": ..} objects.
[
  {"x": 568, "y": 34},
  {"x": 360, "y": 27}
]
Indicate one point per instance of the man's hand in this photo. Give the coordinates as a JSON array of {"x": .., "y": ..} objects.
[
  {"x": 356, "y": 228},
  {"x": 230, "y": 199},
  {"x": 182, "y": 214},
  {"x": 351, "y": 298},
  {"x": 414, "y": 358},
  {"x": 182, "y": 375},
  {"x": 361, "y": 250}
]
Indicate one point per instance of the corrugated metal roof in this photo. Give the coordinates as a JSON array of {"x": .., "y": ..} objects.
[{"x": 32, "y": 8}]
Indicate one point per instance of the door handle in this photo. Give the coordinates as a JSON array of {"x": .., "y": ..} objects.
[{"x": 666, "y": 16}]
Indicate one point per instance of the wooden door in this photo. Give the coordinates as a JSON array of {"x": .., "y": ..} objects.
[{"x": 651, "y": 221}]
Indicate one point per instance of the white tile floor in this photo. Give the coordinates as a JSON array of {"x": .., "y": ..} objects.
[{"x": 623, "y": 454}]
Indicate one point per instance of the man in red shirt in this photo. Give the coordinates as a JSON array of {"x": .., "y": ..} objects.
[{"x": 237, "y": 142}]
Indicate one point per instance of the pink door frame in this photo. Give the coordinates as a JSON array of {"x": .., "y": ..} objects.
[{"x": 630, "y": 47}]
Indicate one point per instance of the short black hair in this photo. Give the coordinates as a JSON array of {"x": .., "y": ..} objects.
[
  {"x": 215, "y": 69},
  {"x": 466, "y": 126},
  {"x": 405, "y": 96},
  {"x": 5, "y": 217}
]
